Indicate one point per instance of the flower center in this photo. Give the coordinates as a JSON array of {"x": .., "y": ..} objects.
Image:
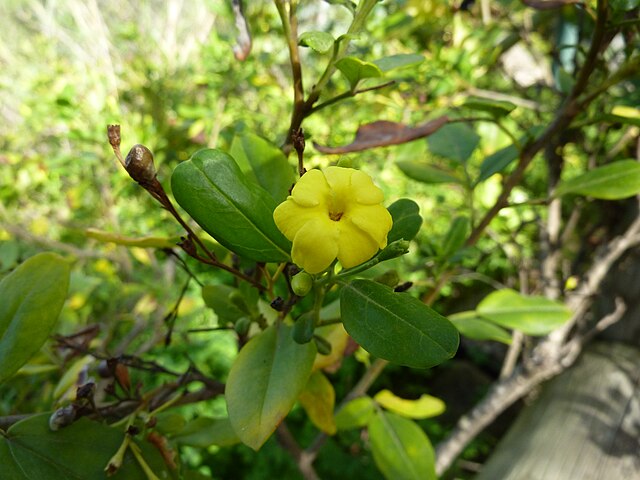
[{"x": 335, "y": 216}]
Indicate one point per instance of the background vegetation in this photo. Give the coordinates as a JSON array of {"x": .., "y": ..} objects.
[{"x": 166, "y": 72}]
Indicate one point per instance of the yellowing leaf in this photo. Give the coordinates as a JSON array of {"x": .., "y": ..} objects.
[
  {"x": 318, "y": 400},
  {"x": 355, "y": 414},
  {"x": 424, "y": 407}
]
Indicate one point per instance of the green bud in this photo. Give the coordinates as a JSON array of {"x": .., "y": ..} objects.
[
  {"x": 304, "y": 327},
  {"x": 393, "y": 250},
  {"x": 301, "y": 284},
  {"x": 242, "y": 325}
]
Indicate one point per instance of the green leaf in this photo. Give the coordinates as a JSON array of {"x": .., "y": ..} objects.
[
  {"x": 355, "y": 70},
  {"x": 424, "y": 407},
  {"x": 401, "y": 449},
  {"x": 229, "y": 207},
  {"x": 265, "y": 381},
  {"x": 321, "y": 42},
  {"x": 318, "y": 400},
  {"x": 219, "y": 299},
  {"x": 610, "y": 182},
  {"x": 348, "y": 4},
  {"x": 532, "y": 315},
  {"x": 497, "y": 161},
  {"x": 396, "y": 326},
  {"x": 399, "y": 61},
  {"x": 263, "y": 162},
  {"x": 476, "y": 328},
  {"x": 456, "y": 236},
  {"x": 425, "y": 173},
  {"x": 355, "y": 414},
  {"x": 32, "y": 298},
  {"x": 29, "y": 450},
  {"x": 202, "y": 432},
  {"x": 406, "y": 220},
  {"x": 496, "y": 108},
  {"x": 455, "y": 141}
]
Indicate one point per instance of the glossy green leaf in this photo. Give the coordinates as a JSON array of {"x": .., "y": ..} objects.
[
  {"x": 470, "y": 325},
  {"x": 231, "y": 208},
  {"x": 355, "y": 414},
  {"x": 406, "y": 220},
  {"x": 399, "y": 61},
  {"x": 202, "y": 432},
  {"x": 532, "y": 315},
  {"x": 29, "y": 450},
  {"x": 610, "y": 182},
  {"x": 396, "y": 326},
  {"x": 263, "y": 162},
  {"x": 497, "y": 162},
  {"x": 355, "y": 70},
  {"x": 455, "y": 141},
  {"x": 143, "y": 242},
  {"x": 456, "y": 236},
  {"x": 401, "y": 449},
  {"x": 321, "y": 42},
  {"x": 219, "y": 299},
  {"x": 496, "y": 108},
  {"x": 424, "y": 407},
  {"x": 265, "y": 381},
  {"x": 32, "y": 297},
  {"x": 426, "y": 173},
  {"x": 318, "y": 400}
]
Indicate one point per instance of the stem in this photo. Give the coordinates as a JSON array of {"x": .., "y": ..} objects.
[{"x": 303, "y": 108}]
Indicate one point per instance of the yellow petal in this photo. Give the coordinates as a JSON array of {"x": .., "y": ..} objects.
[
  {"x": 355, "y": 246},
  {"x": 363, "y": 190},
  {"x": 311, "y": 190},
  {"x": 315, "y": 245},
  {"x": 373, "y": 219},
  {"x": 290, "y": 217}
]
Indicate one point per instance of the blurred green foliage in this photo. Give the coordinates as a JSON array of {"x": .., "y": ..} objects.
[{"x": 165, "y": 71}]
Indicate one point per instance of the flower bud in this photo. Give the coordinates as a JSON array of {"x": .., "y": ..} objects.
[
  {"x": 62, "y": 417},
  {"x": 393, "y": 250},
  {"x": 304, "y": 327},
  {"x": 301, "y": 284},
  {"x": 139, "y": 164}
]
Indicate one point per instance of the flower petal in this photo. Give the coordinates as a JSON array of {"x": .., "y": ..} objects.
[
  {"x": 290, "y": 217},
  {"x": 311, "y": 190},
  {"x": 373, "y": 219},
  {"x": 315, "y": 245},
  {"x": 355, "y": 246},
  {"x": 363, "y": 189}
]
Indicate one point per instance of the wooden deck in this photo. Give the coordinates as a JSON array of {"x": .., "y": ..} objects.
[{"x": 585, "y": 425}]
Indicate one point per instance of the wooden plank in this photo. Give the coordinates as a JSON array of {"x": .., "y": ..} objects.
[{"x": 585, "y": 425}]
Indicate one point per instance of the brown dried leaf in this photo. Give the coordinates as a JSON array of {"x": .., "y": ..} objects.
[{"x": 383, "y": 133}]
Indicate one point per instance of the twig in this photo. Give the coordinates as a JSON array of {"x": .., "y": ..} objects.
[{"x": 302, "y": 459}]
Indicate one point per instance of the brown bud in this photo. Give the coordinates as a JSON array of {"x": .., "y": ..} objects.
[{"x": 139, "y": 164}]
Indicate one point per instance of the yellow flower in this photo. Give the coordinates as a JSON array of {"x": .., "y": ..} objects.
[{"x": 334, "y": 213}]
